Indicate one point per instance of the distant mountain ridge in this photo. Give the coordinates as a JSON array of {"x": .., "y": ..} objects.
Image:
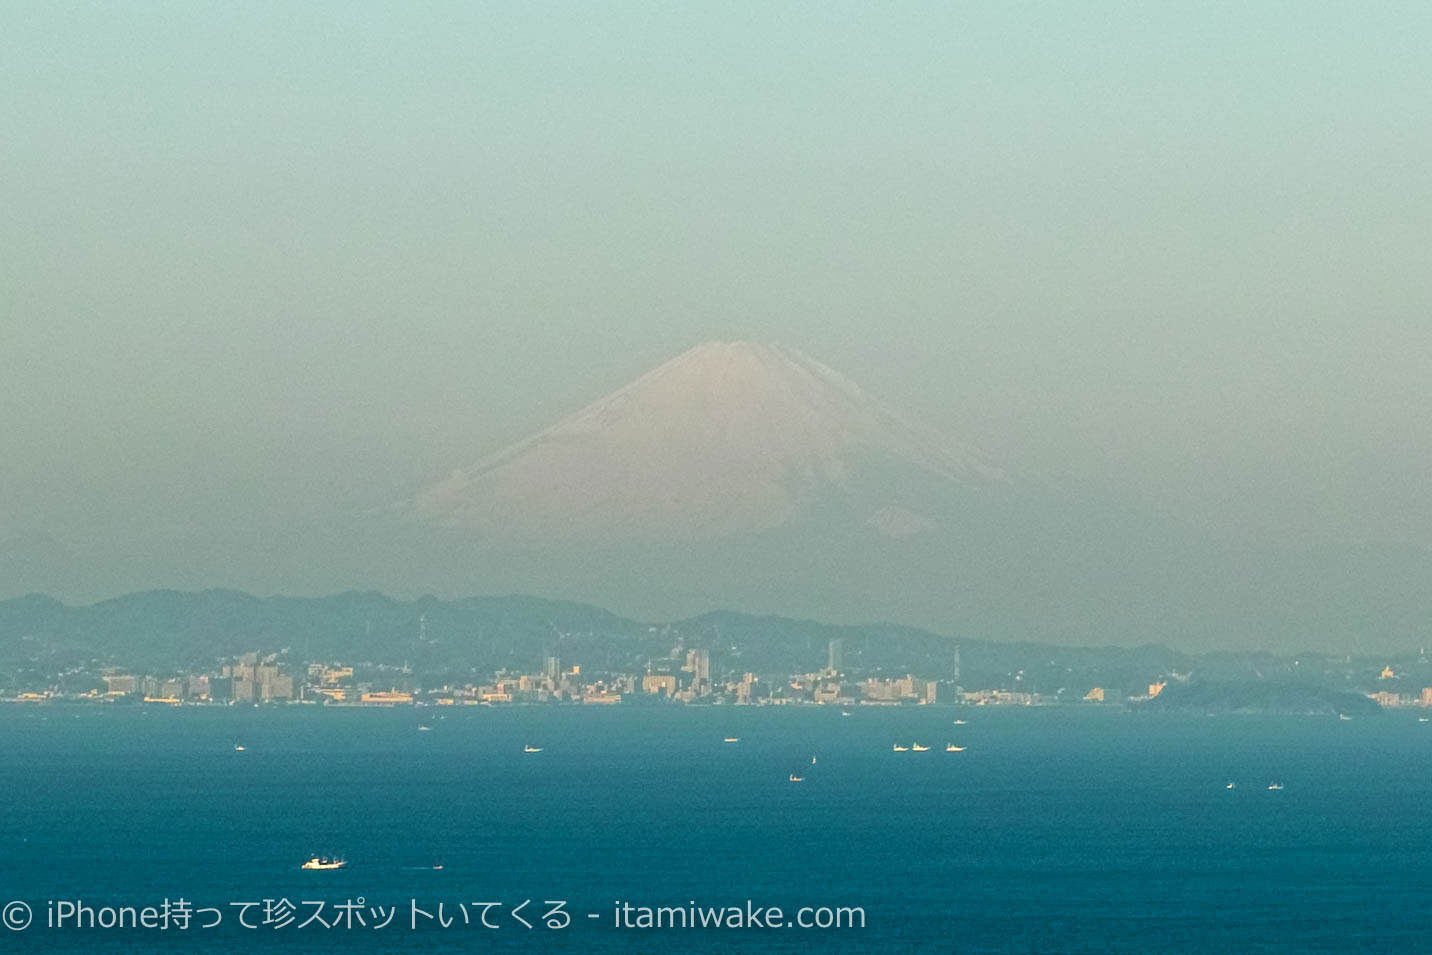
[
  {"x": 167, "y": 628},
  {"x": 1261, "y": 698}
]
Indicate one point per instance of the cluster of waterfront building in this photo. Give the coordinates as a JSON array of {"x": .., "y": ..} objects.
[
  {"x": 1396, "y": 697},
  {"x": 684, "y": 676}
]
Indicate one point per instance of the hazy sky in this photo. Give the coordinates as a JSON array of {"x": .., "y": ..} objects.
[{"x": 259, "y": 261}]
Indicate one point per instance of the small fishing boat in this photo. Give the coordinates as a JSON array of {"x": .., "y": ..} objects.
[{"x": 318, "y": 863}]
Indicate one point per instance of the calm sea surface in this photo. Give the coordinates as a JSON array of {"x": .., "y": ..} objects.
[{"x": 1056, "y": 829}]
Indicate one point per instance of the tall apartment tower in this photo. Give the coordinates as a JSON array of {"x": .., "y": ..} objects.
[{"x": 701, "y": 672}]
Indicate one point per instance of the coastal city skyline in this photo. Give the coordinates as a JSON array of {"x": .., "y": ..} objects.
[
  {"x": 255, "y": 678},
  {"x": 721, "y": 660}
]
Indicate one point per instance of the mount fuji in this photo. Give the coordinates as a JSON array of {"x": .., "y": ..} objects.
[{"x": 727, "y": 439}]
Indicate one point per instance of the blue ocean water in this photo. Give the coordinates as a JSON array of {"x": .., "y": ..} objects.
[{"x": 1062, "y": 829}]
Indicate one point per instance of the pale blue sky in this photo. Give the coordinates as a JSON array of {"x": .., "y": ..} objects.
[{"x": 260, "y": 261}]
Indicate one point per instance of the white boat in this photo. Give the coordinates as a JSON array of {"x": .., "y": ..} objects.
[
  {"x": 797, "y": 779},
  {"x": 238, "y": 748},
  {"x": 900, "y": 749},
  {"x": 919, "y": 749},
  {"x": 322, "y": 864},
  {"x": 812, "y": 760},
  {"x": 531, "y": 749},
  {"x": 424, "y": 728},
  {"x": 1421, "y": 719},
  {"x": 1275, "y": 786},
  {"x": 1231, "y": 785},
  {"x": 732, "y": 739},
  {"x": 1344, "y": 716},
  {"x": 952, "y": 748},
  {"x": 959, "y": 722}
]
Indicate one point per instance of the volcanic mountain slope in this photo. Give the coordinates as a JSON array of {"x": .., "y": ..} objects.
[{"x": 726, "y": 439}]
